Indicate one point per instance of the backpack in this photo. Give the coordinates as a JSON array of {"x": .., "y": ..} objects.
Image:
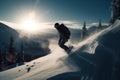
[{"x": 65, "y": 31}]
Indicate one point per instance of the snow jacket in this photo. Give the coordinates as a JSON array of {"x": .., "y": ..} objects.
[{"x": 63, "y": 31}]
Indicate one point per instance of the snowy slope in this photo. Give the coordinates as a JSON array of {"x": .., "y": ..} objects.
[
  {"x": 99, "y": 50},
  {"x": 98, "y": 57},
  {"x": 43, "y": 68}
]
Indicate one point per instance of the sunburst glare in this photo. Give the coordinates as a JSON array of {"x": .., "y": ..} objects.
[{"x": 29, "y": 24}]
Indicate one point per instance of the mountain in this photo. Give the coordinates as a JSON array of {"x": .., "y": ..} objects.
[
  {"x": 5, "y": 33},
  {"x": 96, "y": 58},
  {"x": 29, "y": 43}
]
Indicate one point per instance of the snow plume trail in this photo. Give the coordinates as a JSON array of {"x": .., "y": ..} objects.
[
  {"x": 56, "y": 51},
  {"x": 90, "y": 45},
  {"x": 91, "y": 42},
  {"x": 91, "y": 39},
  {"x": 116, "y": 24}
]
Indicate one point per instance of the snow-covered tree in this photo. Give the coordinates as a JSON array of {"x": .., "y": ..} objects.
[{"x": 115, "y": 13}]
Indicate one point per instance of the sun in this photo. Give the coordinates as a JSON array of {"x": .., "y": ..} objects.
[
  {"x": 29, "y": 26},
  {"x": 29, "y": 23}
]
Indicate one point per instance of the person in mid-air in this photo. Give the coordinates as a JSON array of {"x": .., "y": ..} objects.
[{"x": 64, "y": 34}]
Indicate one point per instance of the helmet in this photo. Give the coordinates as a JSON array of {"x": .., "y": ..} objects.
[{"x": 56, "y": 25}]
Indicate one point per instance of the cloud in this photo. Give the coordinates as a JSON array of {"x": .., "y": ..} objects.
[
  {"x": 70, "y": 24},
  {"x": 95, "y": 24},
  {"x": 50, "y": 33},
  {"x": 50, "y": 25}
]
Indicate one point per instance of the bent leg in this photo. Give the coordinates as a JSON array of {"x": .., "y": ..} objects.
[{"x": 62, "y": 44}]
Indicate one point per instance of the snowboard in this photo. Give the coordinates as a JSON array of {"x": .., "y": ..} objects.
[{"x": 70, "y": 49}]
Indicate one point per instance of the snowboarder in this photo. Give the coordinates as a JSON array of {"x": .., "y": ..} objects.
[{"x": 64, "y": 34}]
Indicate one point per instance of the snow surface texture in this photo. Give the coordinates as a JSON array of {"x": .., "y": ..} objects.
[{"x": 96, "y": 51}]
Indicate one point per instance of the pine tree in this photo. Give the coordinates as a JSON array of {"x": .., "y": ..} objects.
[
  {"x": 20, "y": 56},
  {"x": 22, "y": 52},
  {"x": 10, "y": 55},
  {"x": 11, "y": 46},
  {"x": 118, "y": 3},
  {"x": 99, "y": 26},
  {"x": 0, "y": 56},
  {"x": 84, "y": 31}
]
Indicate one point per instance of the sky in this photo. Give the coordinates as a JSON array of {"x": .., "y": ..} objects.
[{"x": 55, "y": 10}]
